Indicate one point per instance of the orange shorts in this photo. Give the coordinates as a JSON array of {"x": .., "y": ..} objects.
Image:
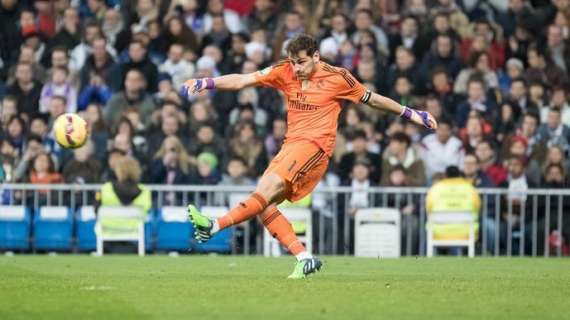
[{"x": 301, "y": 164}]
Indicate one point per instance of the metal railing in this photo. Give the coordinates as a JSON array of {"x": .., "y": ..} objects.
[{"x": 538, "y": 224}]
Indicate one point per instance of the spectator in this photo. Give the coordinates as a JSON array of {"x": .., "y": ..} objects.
[
  {"x": 453, "y": 194},
  {"x": 59, "y": 86},
  {"x": 360, "y": 182},
  {"x": 275, "y": 139},
  {"x": 479, "y": 64},
  {"x": 488, "y": 160},
  {"x": 514, "y": 70},
  {"x": 207, "y": 141},
  {"x": 230, "y": 17},
  {"x": 206, "y": 172},
  {"x": 84, "y": 168},
  {"x": 248, "y": 146},
  {"x": 26, "y": 91},
  {"x": 477, "y": 100},
  {"x": 42, "y": 171},
  {"x": 98, "y": 133},
  {"x": 176, "y": 66},
  {"x": 558, "y": 99},
  {"x": 472, "y": 172},
  {"x": 177, "y": 32},
  {"x": 137, "y": 58},
  {"x": 400, "y": 152},
  {"x": 441, "y": 149},
  {"x": 444, "y": 55},
  {"x": 359, "y": 152},
  {"x": 99, "y": 63},
  {"x": 513, "y": 206},
  {"x": 15, "y": 132},
  {"x": 554, "y": 131},
  {"x": 235, "y": 175},
  {"x": 133, "y": 97}
]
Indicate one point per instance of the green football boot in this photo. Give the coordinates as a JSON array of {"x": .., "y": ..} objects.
[
  {"x": 202, "y": 224},
  {"x": 305, "y": 267}
]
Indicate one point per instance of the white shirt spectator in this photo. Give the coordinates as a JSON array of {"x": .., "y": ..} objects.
[
  {"x": 179, "y": 71},
  {"x": 231, "y": 18},
  {"x": 438, "y": 156}
]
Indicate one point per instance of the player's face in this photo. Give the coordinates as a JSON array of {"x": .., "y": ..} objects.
[{"x": 304, "y": 65}]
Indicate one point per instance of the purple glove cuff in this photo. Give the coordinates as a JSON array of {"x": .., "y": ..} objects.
[
  {"x": 210, "y": 83},
  {"x": 406, "y": 113}
]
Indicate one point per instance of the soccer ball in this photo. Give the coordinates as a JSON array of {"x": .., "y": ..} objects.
[{"x": 70, "y": 130}]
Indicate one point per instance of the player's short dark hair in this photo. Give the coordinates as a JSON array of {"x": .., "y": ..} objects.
[{"x": 302, "y": 42}]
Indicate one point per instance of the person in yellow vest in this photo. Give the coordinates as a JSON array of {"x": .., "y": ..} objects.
[
  {"x": 453, "y": 194},
  {"x": 125, "y": 190}
]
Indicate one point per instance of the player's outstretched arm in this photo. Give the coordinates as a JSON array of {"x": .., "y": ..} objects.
[
  {"x": 227, "y": 82},
  {"x": 422, "y": 118}
]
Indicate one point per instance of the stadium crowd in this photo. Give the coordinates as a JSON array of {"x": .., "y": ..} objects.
[{"x": 494, "y": 73}]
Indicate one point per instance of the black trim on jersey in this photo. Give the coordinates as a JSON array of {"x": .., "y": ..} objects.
[
  {"x": 341, "y": 72},
  {"x": 366, "y": 97}
]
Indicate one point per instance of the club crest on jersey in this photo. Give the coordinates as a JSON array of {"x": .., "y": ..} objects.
[{"x": 265, "y": 71}]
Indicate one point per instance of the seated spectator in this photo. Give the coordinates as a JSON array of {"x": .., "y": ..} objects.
[
  {"x": 248, "y": 146},
  {"x": 9, "y": 108},
  {"x": 402, "y": 92},
  {"x": 26, "y": 91},
  {"x": 444, "y": 54},
  {"x": 176, "y": 66},
  {"x": 59, "y": 86},
  {"x": 514, "y": 70},
  {"x": 477, "y": 100},
  {"x": 559, "y": 100},
  {"x": 479, "y": 64},
  {"x": 359, "y": 151},
  {"x": 169, "y": 127},
  {"x": 206, "y": 172},
  {"x": 84, "y": 167},
  {"x": 235, "y": 176},
  {"x": 556, "y": 156},
  {"x": 99, "y": 65},
  {"x": 133, "y": 97},
  {"x": 441, "y": 149},
  {"x": 15, "y": 132},
  {"x": 171, "y": 164},
  {"x": 360, "y": 182},
  {"x": 399, "y": 152},
  {"x": 98, "y": 133},
  {"x": 275, "y": 139},
  {"x": 9, "y": 159},
  {"x": 441, "y": 88},
  {"x": 513, "y": 207},
  {"x": 207, "y": 141},
  {"x": 554, "y": 131},
  {"x": 536, "y": 148},
  {"x": 488, "y": 160},
  {"x": 453, "y": 194},
  {"x": 507, "y": 120},
  {"x": 42, "y": 171},
  {"x": 472, "y": 172},
  {"x": 519, "y": 94}
]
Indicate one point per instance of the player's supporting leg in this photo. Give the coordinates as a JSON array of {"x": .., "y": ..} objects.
[
  {"x": 270, "y": 188},
  {"x": 280, "y": 228}
]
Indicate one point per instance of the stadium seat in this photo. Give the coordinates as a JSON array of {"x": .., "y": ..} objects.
[
  {"x": 442, "y": 218},
  {"x": 222, "y": 241},
  {"x": 301, "y": 216},
  {"x": 15, "y": 228},
  {"x": 173, "y": 230},
  {"x": 53, "y": 228},
  {"x": 85, "y": 228},
  {"x": 118, "y": 223},
  {"x": 377, "y": 233}
]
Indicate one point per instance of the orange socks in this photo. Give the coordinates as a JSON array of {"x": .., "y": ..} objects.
[
  {"x": 245, "y": 210},
  {"x": 280, "y": 228}
]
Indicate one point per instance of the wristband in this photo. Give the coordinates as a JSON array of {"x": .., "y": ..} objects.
[{"x": 210, "y": 83}]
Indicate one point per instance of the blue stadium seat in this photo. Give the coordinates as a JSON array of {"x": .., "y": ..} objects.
[
  {"x": 15, "y": 223},
  {"x": 222, "y": 241},
  {"x": 53, "y": 228},
  {"x": 173, "y": 230},
  {"x": 150, "y": 231},
  {"x": 85, "y": 228}
]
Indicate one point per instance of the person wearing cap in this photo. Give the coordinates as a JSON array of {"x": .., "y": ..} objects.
[
  {"x": 514, "y": 69},
  {"x": 206, "y": 172}
]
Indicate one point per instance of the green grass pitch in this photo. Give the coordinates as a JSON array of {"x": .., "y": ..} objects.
[{"x": 236, "y": 287}]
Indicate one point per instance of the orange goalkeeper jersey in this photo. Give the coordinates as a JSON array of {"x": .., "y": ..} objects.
[{"x": 312, "y": 112}]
